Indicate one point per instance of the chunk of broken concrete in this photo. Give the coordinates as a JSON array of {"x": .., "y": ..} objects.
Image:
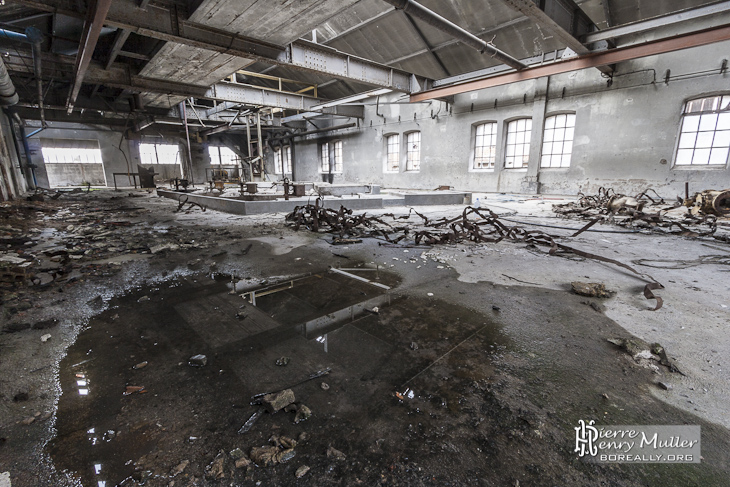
[
  {"x": 301, "y": 471},
  {"x": 216, "y": 470},
  {"x": 632, "y": 346},
  {"x": 265, "y": 456},
  {"x": 243, "y": 462},
  {"x": 664, "y": 385},
  {"x": 179, "y": 468},
  {"x": 199, "y": 360},
  {"x": 278, "y": 400},
  {"x": 303, "y": 414},
  {"x": 590, "y": 289},
  {"x": 46, "y": 337},
  {"x": 282, "y": 361},
  {"x": 335, "y": 454}
]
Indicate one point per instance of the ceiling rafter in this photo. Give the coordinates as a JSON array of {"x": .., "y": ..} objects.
[
  {"x": 564, "y": 19},
  {"x": 168, "y": 24},
  {"x": 92, "y": 29}
]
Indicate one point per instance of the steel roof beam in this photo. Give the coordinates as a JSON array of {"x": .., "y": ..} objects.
[
  {"x": 166, "y": 24},
  {"x": 602, "y": 58},
  {"x": 90, "y": 36},
  {"x": 563, "y": 18},
  {"x": 656, "y": 22}
]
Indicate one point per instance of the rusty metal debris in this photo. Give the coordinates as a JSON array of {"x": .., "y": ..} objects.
[
  {"x": 474, "y": 224},
  {"x": 689, "y": 217},
  {"x": 184, "y": 200},
  {"x": 709, "y": 202}
]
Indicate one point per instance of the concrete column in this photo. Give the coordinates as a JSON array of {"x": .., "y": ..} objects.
[{"x": 530, "y": 184}]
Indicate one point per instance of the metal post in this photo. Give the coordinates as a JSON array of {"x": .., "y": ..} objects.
[{"x": 183, "y": 111}]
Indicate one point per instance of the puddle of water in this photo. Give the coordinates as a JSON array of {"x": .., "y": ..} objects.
[{"x": 118, "y": 420}]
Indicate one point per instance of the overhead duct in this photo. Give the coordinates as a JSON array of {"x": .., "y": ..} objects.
[
  {"x": 34, "y": 37},
  {"x": 433, "y": 19},
  {"x": 8, "y": 95}
]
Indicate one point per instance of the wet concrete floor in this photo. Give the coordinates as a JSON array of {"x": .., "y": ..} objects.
[{"x": 423, "y": 392}]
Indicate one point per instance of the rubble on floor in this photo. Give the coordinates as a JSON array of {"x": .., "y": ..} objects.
[
  {"x": 705, "y": 214},
  {"x": 474, "y": 224}
]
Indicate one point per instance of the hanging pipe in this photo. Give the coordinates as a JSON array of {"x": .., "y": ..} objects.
[{"x": 34, "y": 37}]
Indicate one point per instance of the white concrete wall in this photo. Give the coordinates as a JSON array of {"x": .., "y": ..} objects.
[{"x": 625, "y": 134}]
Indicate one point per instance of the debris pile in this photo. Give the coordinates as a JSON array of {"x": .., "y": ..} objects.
[
  {"x": 474, "y": 224},
  {"x": 697, "y": 216}
]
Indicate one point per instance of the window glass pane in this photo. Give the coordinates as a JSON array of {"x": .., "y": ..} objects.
[
  {"x": 560, "y": 134},
  {"x": 704, "y": 140},
  {"x": 702, "y": 156},
  {"x": 719, "y": 156},
  {"x": 708, "y": 122},
  {"x": 565, "y": 160},
  {"x": 338, "y": 156},
  {"x": 560, "y": 121},
  {"x": 570, "y": 120},
  {"x": 684, "y": 156},
  {"x": 277, "y": 161},
  {"x": 725, "y": 104},
  {"x": 549, "y": 123},
  {"x": 569, "y": 133},
  {"x": 159, "y": 153},
  {"x": 691, "y": 123},
  {"x": 723, "y": 121},
  {"x": 325, "y": 158},
  {"x": 722, "y": 139}
]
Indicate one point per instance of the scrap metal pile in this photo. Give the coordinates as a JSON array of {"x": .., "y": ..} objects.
[
  {"x": 474, "y": 224},
  {"x": 696, "y": 216}
]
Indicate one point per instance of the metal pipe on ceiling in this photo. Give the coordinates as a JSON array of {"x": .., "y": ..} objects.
[
  {"x": 8, "y": 95},
  {"x": 34, "y": 37},
  {"x": 441, "y": 23},
  {"x": 318, "y": 131},
  {"x": 602, "y": 58}
]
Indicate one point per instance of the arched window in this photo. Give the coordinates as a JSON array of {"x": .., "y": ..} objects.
[
  {"x": 392, "y": 153},
  {"x": 413, "y": 151},
  {"x": 557, "y": 142},
  {"x": 485, "y": 146},
  {"x": 518, "y": 143},
  {"x": 704, "y": 137},
  {"x": 282, "y": 160},
  {"x": 331, "y": 157}
]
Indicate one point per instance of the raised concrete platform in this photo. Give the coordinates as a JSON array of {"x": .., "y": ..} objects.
[{"x": 358, "y": 202}]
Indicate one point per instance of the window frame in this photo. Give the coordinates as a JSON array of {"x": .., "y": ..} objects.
[
  {"x": 220, "y": 158},
  {"x": 525, "y": 164},
  {"x": 474, "y": 148},
  {"x": 333, "y": 149},
  {"x": 386, "y": 163},
  {"x": 723, "y": 96},
  {"x": 543, "y": 142},
  {"x": 282, "y": 166},
  {"x": 91, "y": 155},
  {"x": 409, "y": 164},
  {"x": 178, "y": 156}
]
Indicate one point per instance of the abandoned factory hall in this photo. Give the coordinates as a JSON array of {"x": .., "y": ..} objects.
[{"x": 364, "y": 243}]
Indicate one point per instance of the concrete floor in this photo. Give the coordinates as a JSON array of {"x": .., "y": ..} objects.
[{"x": 495, "y": 392}]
